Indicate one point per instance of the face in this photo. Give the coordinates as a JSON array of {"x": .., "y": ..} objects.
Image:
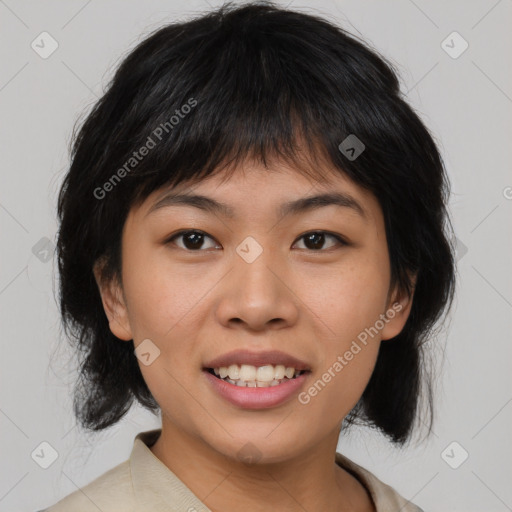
[{"x": 312, "y": 282}]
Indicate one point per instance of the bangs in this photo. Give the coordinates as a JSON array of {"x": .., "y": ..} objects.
[
  {"x": 234, "y": 150},
  {"x": 199, "y": 112}
]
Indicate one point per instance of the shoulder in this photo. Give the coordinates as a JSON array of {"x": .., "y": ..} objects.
[
  {"x": 110, "y": 492},
  {"x": 386, "y": 499}
]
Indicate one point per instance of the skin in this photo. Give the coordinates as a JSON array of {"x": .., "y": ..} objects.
[{"x": 195, "y": 304}]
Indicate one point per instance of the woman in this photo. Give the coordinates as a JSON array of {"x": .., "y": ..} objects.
[{"x": 252, "y": 242}]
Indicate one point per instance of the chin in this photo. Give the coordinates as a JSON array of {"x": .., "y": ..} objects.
[{"x": 258, "y": 448}]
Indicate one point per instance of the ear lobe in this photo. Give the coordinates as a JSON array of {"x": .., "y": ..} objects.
[
  {"x": 113, "y": 304},
  {"x": 398, "y": 310}
]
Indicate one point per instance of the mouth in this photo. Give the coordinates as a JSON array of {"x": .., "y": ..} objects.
[
  {"x": 256, "y": 380},
  {"x": 251, "y": 376},
  {"x": 273, "y": 390}
]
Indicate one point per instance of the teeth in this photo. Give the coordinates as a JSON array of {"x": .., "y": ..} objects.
[
  {"x": 234, "y": 372},
  {"x": 280, "y": 371},
  {"x": 248, "y": 372},
  {"x": 289, "y": 372},
  {"x": 251, "y": 376},
  {"x": 265, "y": 373},
  {"x": 253, "y": 383}
]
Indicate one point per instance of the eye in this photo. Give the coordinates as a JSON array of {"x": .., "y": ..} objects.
[
  {"x": 193, "y": 240},
  {"x": 314, "y": 240}
]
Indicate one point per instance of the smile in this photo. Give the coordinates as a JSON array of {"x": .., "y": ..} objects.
[
  {"x": 253, "y": 393},
  {"x": 247, "y": 375}
]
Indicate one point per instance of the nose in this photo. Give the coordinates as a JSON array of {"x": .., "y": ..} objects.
[{"x": 257, "y": 296}]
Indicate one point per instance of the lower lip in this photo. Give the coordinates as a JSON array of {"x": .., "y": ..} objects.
[{"x": 256, "y": 398}]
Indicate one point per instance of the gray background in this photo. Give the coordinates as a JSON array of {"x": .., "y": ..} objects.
[{"x": 465, "y": 101}]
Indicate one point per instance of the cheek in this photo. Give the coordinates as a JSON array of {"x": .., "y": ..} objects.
[
  {"x": 160, "y": 296},
  {"x": 167, "y": 307},
  {"x": 337, "y": 388},
  {"x": 347, "y": 300},
  {"x": 348, "y": 304}
]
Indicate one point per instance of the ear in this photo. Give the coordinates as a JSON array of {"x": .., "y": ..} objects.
[
  {"x": 113, "y": 303},
  {"x": 397, "y": 310}
]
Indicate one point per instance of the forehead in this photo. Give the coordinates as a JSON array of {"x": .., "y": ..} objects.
[
  {"x": 254, "y": 184},
  {"x": 253, "y": 190}
]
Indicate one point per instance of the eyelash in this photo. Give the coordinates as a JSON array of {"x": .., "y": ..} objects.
[{"x": 170, "y": 240}]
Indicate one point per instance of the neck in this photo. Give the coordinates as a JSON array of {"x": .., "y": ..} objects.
[{"x": 310, "y": 481}]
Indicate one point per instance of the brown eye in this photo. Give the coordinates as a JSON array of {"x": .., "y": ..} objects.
[
  {"x": 192, "y": 240},
  {"x": 315, "y": 240},
  {"x": 195, "y": 240}
]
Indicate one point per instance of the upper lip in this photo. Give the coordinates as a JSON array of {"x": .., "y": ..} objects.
[{"x": 273, "y": 357}]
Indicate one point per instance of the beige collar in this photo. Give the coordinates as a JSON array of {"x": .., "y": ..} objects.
[{"x": 157, "y": 488}]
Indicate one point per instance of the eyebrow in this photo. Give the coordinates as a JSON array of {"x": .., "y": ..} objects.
[{"x": 302, "y": 205}]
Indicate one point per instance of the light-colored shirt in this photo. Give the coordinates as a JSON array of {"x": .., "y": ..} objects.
[{"x": 143, "y": 483}]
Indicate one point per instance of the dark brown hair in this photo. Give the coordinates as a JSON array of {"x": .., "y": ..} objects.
[{"x": 256, "y": 79}]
